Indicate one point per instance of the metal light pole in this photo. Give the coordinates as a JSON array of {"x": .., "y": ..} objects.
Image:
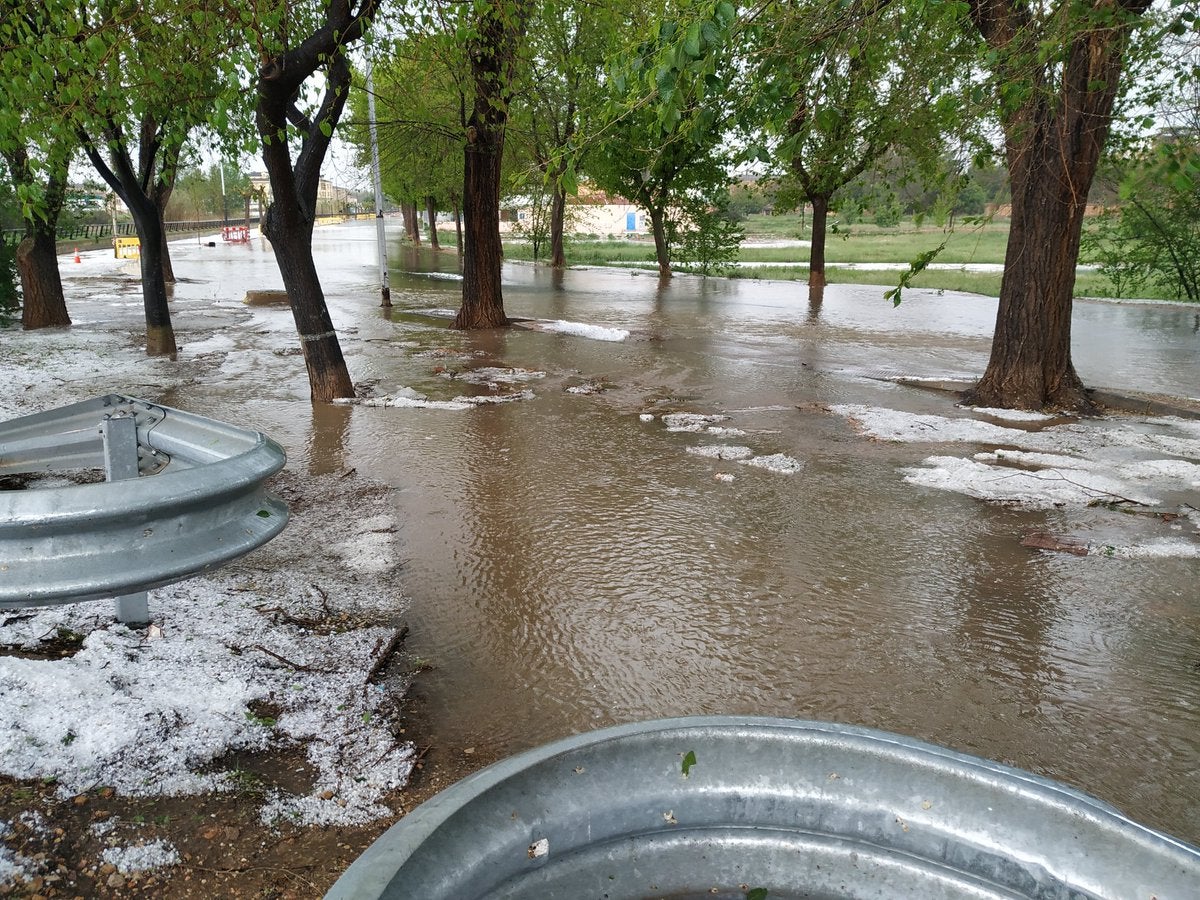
[
  {"x": 224, "y": 203},
  {"x": 385, "y": 291}
]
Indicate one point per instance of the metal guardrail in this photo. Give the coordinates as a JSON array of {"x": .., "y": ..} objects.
[
  {"x": 13, "y": 236},
  {"x": 199, "y": 502},
  {"x": 724, "y": 806}
]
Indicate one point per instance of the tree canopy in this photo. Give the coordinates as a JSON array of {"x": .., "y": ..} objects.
[{"x": 837, "y": 89}]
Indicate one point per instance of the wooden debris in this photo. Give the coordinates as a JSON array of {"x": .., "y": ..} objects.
[{"x": 1042, "y": 540}]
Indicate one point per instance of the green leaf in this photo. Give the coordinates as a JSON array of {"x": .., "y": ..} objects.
[
  {"x": 758, "y": 893},
  {"x": 689, "y": 760},
  {"x": 827, "y": 119},
  {"x": 665, "y": 80}
]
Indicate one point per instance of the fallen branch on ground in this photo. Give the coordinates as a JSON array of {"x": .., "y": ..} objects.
[{"x": 386, "y": 654}]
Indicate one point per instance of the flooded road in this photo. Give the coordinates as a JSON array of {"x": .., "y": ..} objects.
[{"x": 571, "y": 562}]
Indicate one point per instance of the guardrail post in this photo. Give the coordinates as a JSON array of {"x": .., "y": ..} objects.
[{"x": 121, "y": 462}]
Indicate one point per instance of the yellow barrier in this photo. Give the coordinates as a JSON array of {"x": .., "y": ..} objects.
[{"x": 127, "y": 248}]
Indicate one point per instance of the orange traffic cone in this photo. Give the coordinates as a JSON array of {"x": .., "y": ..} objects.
[{"x": 77, "y": 259}]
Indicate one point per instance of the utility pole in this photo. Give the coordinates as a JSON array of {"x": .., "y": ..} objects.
[
  {"x": 224, "y": 201},
  {"x": 385, "y": 290}
]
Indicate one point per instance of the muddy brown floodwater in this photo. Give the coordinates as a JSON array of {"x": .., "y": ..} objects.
[{"x": 569, "y": 565}]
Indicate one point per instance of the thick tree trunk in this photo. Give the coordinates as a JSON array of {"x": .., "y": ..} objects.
[
  {"x": 816, "y": 250},
  {"x": 160, "y": 334},
  {"x": 147, "y": 212},
  {"x": 662, "y": 250},
  {"x": 493, "y": 53},
  {"x": 412, "y": 222},
  {"x": 290, "y": 218},
  {"x": 1053, "y": 143},
  {"x": 328, "y": 376},
  {"x": 1030, "y": 365},
  {"x": 482, "y": 297},
  {"x": 558, "y": 214},
  {"x": 431, "y": 214},
  {"x": 37, "y": 255},
  {"x": 406, "y": 216},
  {"x": 41, "y": 285}
]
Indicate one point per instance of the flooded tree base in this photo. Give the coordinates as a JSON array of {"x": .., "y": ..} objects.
[{"x": 160, "y": 341}]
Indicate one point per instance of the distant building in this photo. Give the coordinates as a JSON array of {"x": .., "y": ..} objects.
[
  {"x": 331, "y": 199},
  {"x": 90, "y": 197},
  {"x": 591, "y": 211},
  {"x": 259, "y": 181}
]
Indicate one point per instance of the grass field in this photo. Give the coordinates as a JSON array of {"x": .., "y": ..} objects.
[
  {"x": 867, "y": 243},
  {"x": 864, "y": 243}
]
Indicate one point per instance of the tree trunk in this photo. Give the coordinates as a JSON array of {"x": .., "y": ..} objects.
[
  {"x": 288, "y": 222},
  {"x": 1030, "y": 366},
  {"x": 658, "y": 227},
  {"x": 291, "y": 239},
  {"x": 482, "y": 297},
  {"x": 160, "y": 334},
  {"x": 558, "y": 214},
  {"x": 816, "y": 250},
  {"x": 493, "y": 54},
  {"x": 295, "y": 184},
  {"x": 41, "y": 285},
  {"x": 1053, "y": 142},
  {"x": 43, "y": 305},
  {"x": 161, "y": 196},
  {"x": 412, "y": 222},
  {"x": 168, "y": 271},
  {"x": 130, "y": 185},
  {"x": 458, "y": 231},
  {"x": 431, "y": 212},
  {"x": 406, "y": 216}
]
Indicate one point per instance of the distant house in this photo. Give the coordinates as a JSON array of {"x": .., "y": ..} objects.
[
  {"x": 591, "y": 211},
  {"x": 331, "y": 199}
]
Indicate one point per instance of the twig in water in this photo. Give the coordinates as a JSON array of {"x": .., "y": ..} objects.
[{"x": 1056, "y": 475}]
